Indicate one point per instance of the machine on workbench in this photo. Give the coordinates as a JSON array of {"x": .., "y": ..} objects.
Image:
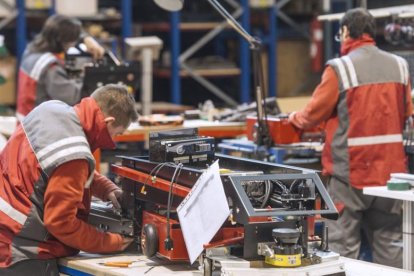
[{"x": 272, "y": 206}]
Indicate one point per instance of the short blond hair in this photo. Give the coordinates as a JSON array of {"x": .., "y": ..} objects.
[{"x": 114, "y": 100}]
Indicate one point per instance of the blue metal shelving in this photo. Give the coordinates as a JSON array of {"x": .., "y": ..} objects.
[
  {"x": 245, "y": 62},
  {"x": 245, "y": 83}
]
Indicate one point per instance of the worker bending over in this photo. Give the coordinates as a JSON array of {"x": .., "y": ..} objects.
[{"x": 48, "y": 178}]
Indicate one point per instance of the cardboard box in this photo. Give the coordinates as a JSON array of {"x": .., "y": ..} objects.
[
  {"x": 290, "y": 104},
  {"x": 77, "y": 7},
  {"x": 8, "y": 89}
]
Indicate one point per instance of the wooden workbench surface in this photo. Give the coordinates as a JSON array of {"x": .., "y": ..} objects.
[
  {"x": 205, "y": 128},
  {"x": 90, "y": 263}
]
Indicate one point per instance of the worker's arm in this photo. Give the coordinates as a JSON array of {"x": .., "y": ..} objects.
[
  {"x": 93, "y": 47},
  {"x": 105, "y": 189},
  {"x": 322, "y": 103},
  {"x": 60, "y": 87},
  {"x": 63, "y": 194}
]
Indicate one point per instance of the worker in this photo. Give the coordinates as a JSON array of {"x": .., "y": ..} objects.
[
  {"x": 42, "y": 75},
  {"x": 48, "y": 178},
  {"x": 364, "y": 99}
]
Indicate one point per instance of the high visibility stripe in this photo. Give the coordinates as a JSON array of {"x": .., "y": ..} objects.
[
  {"x": 401, "y": 67},
  {"x": 14, "y": 214},
  {"x": 375, "y": 140},
  {"x": 19, "y": 116},
  {"x": 64, "y": 153},
  {"x": 36, "y": 67},
  {"x": 351, "y": 70},
  {"x": 43, "y": 61},
  {"x": 89, "y": 180},
  {"x": 342, "y": 73},
  {"x": 406, "y": 74},
  {"x": 64, "y": 142}
]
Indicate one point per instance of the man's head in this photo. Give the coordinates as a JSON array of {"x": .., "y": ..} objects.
[
  {"x": 355, "y": 23},
  {"x": 58, "y": 34},
  {"x": 117, "y": 105}
]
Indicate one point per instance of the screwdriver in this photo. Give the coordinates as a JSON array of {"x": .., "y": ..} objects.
[{"x": 118, "y": 263}]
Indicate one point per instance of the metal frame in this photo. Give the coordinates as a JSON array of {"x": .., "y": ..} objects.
[{"x": 248, "y": 209}]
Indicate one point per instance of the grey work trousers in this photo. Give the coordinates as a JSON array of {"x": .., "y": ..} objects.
[
  {"x": 380, "y": 218},
  {"x": 32, "y": 268}
]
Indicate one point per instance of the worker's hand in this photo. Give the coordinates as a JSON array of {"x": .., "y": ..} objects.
[
  {"x": 93, "y": 47},
  {"x": 114, "y": 197},
  {"x": 126, "y": 242}
]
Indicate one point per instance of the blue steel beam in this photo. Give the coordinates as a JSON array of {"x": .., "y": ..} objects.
[
  {"x": 175, "y": 63},
  {"x": 21, "y": 40},
  {"x": 245, "y": 55}
]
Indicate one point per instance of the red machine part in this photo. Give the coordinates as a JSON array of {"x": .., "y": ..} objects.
[
  {"x": 142, "y": 177},
  {"x": 281, "y": 131},
  {"x": 179, "y": 252},
  {"x": 224, "y": 237}
]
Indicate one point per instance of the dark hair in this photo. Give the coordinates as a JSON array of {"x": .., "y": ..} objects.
[
  {"x": 358, "y": 21},
  {"x": 56, "y": 32},
  {"x": 115, "y": 100}
]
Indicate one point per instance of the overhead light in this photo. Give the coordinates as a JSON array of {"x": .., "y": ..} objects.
[{"x": 170, "y": 5}]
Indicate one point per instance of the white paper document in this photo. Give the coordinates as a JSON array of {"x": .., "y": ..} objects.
[{"x": 203, "y": 211}]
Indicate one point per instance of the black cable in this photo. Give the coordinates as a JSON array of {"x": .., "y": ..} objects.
[
  {"x": 268, "y": 189},
  {"x": 280, "y": 185},
  {"x": 175, "y": 181},
  {"x": 168, "y": 243},
  {"x": 294, "y": 184}
]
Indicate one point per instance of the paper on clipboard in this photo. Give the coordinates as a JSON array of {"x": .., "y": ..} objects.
[{"x": 203, "y": 211}]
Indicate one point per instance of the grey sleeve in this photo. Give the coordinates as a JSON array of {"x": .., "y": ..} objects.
[{"x": 59, "y": 86}]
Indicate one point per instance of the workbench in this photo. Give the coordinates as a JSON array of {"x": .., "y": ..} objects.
[
  {"x": 89, "y": 264},
  {"x": 136, "y": 133},
  {"x": 408, "y": 219}
]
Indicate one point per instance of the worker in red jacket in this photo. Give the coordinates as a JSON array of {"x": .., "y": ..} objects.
[
  {"x": 42, "y": 75},
  {"x": 48, "y": 178},
  {"x": 364, "y": 98}
]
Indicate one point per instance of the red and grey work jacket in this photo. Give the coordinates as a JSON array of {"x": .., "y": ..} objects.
[
  {"x": 42, "y": 77},
  {"x": 364, "y": 142},
  {"x": 49, "y": 136}
]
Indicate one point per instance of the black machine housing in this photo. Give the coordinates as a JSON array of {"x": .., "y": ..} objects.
[
  {"x": 181, "y": 146},
  {"x": 96, "y": 73}
]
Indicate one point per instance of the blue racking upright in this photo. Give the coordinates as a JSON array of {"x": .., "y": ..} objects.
[{"x": 245, "y": 83}]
